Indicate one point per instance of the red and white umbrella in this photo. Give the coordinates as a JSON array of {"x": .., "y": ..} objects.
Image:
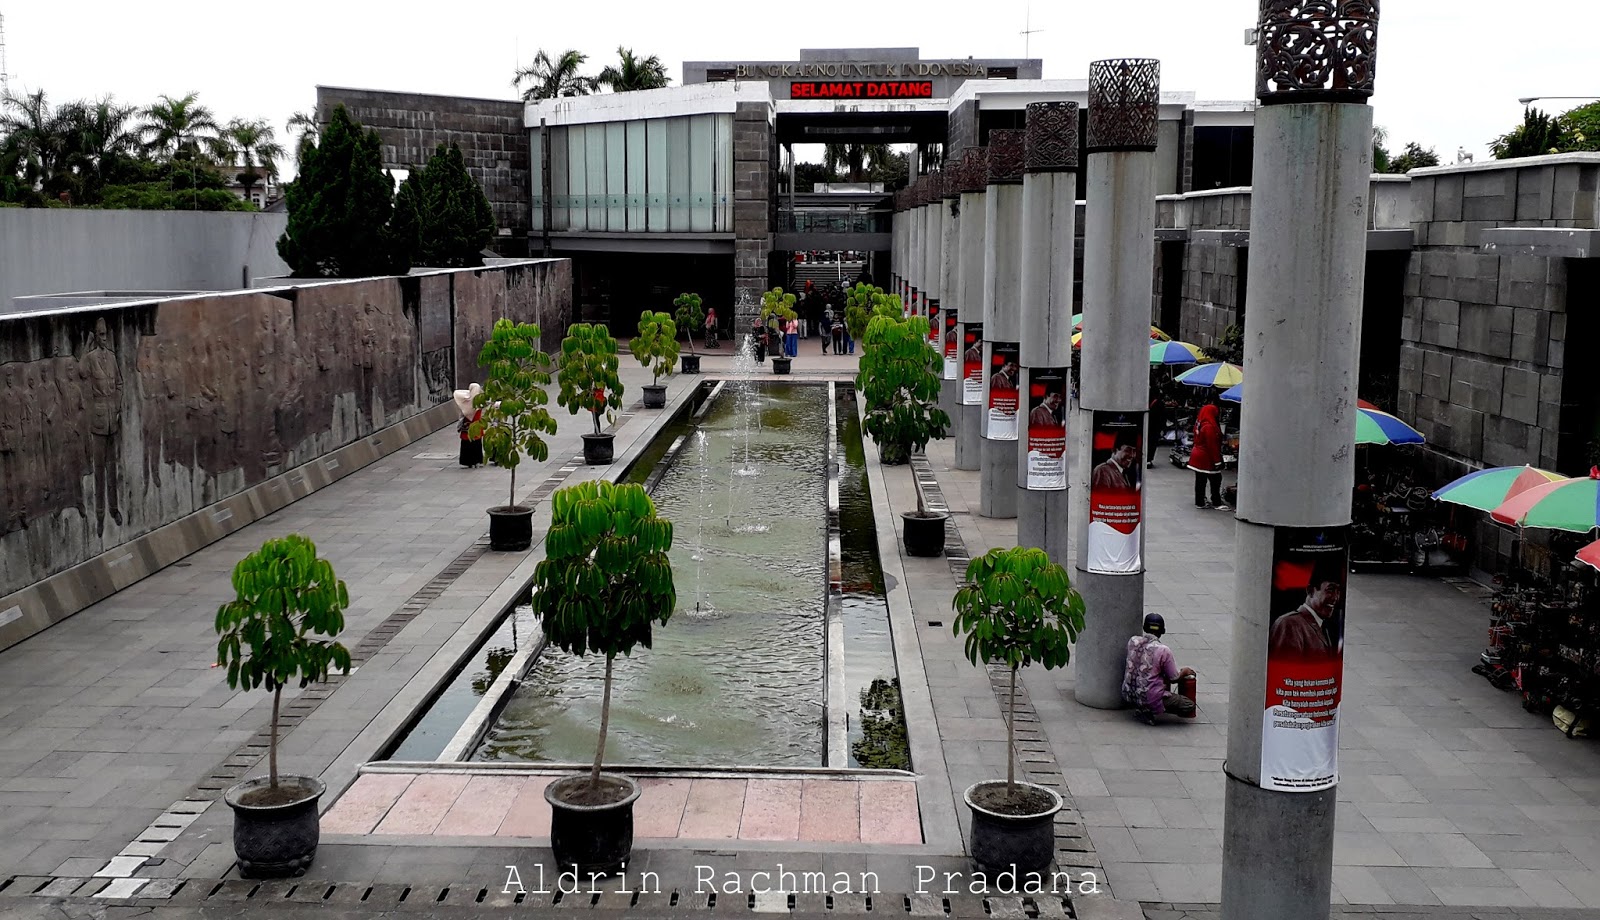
[{"x": 1590, "y": 555}]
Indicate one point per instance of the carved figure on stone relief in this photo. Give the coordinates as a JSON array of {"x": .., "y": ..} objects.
[
  {"x": 366, "y": 336},
  {"x": 72, "y": 456},
  {"x": 38, "y": 468},
  {"x": 12, "y": 450},
  {"x": 105, "y": 420},
  {"x": 48, "y": 400}
]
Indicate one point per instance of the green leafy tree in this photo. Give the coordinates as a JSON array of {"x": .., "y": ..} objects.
[
  {"x": 1017, "y": 607},
  {"x": 100, "y": 143},
  {"x": 341, "y": 206},
  {"x": 633, "y": 73},
  {"x": 899, "y": 378},
  {"x": 777, "y": 303},
  {"x": 606, "y": 579},
  {"x": 1415, "y": 156},
  {"x": 1539, "y": 134},
  {"x": 688, "y": 316},
  {"x": 406, "y": 223},
  {"x": 550, "y": 78},
  {"x": 255, "y": 150},
  {"x": 456, "y": 220},
  {"x": 304, "y": 127},
  {"x": 513, "y": 399},
  {"x": 35, "y": 146},
  {"x": 286, "y": 597},
  {"x": 1381, "y": 159},
  {"x": 586, "y": 372},
  {"x": 865, "y": 301},
  {"x": 1581, "y": 127},
  {"x": 656, "y": 345}
]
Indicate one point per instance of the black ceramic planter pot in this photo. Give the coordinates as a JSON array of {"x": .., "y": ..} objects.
[
  {"x": 781, "y": 365},
  {"x": 597, "y": 448},
  {"x": 655, "y": 397},
  {"x": 924, "y": 532},
  {"x": 510, "y": 529},
  {"x": 691, "y": 363},
  {"x": 274, "y": 841},
  {"x": 595, "y": 838},
  {"x": 1019, "y": 843}
]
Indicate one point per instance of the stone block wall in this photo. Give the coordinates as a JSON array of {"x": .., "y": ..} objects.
[
  {"x": 1211, "y": 267},
  {"x": 755, "y": 175},
  {"x": 119, "y": 421},
  {"x": 489, "y": 132}
]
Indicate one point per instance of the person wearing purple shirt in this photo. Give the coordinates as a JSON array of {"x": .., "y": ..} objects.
[{"x": 1150, "y": 672}]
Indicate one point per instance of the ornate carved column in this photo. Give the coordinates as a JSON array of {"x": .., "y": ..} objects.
[{"x": 1313, "y": 157}]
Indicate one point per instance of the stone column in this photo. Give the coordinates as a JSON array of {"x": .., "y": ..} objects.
[
  {"x": 1114, "y": 376},
  {"x": 949, "y": 286},
  {"x": 1002, "y": 320},
  {"x": 968, "y": 418},
  {"x": 933, "y": 249},
  {"x": 1309, "y": 207},
  {"x": 1049, "y": 224},
  {"x": 914, "y": 260},
  {"x": 897, "y": 249}
]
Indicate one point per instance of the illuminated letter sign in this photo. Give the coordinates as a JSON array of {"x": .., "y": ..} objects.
[{"x": 862, "y": 89}]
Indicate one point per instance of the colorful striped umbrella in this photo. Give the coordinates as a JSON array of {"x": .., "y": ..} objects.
[
  {"x": 1174, "y": 353},
  {"x": 1590, "y": 555},
  {"x": 1221, "y": 374},
  {"x": 1156, "y": 335},
  {"x": 1488, "y": 489},
  {"x": 1236, "y": 394},
  {"x": 1566, "y": 504},
  {"x": 1375, "y": 427}
]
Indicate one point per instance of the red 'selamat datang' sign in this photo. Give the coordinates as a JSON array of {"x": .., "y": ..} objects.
[{"x": 861, "y": 89}]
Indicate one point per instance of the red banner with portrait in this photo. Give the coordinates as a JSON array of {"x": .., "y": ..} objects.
[{"x": 1305, "y": 659}]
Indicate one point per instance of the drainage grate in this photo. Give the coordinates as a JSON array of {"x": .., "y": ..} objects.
[
  {"x": 1038, "y": 759},
  {"x": 238, "y": 892}
]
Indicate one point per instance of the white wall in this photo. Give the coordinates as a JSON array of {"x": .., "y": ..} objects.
[{"x": 55, "y": 250}]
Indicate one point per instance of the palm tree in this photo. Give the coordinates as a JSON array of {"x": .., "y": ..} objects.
[
  {"x": 35, "y": 137},
  {"x": 549, "y": 79},
  {"x": 99, "y": 136},
  {"x": 634, "y": 73},
  {"x": 850, "y": 155},
  {"x": 174, "y": 127},
  {"x": 254, "y": 146},
  {"x": 1538, "y": 135},
  {"x": 303, "y": 125}
]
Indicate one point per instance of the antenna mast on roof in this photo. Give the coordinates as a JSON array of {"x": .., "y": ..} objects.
[
  {"x": 1028, "y": 30},
  {"x": 5, "y": 77}
]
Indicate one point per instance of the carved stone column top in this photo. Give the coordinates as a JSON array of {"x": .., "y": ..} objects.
[
  {"x": 935, "y": 191},
  {"x": 975, "y": 169},
  {"x": 1124, "y": 104},
  {"x": 1316, "y": 51},
  {"x": 1005, "y": 155},
  {"x": 1051, "y": 144},
  {"x": 950, "y": 186},
  {"x": 920, "y": 192},
  {"x": 900, "y": 197}
]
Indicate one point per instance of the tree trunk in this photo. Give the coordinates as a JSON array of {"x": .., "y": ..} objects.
[
  {"x": 605, "y": 723},
  {"x": 1011, "y": 737},
  {"x": 596, "y": 415},
  {"x": 513, "y": 502},
  {"x": 272, "y": 749}
]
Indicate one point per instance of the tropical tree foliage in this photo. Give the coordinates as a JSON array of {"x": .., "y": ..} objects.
[
  {"x": 688, "y": 317},
  {"x": 342, "y": 220},
  {"x": 586, "y": 372},
  {"x": 550, "y": 78},
  {"x": 513, "y": 399},
  {"x": 286, "y": 596},
  {"x": 254, "y": 148},
  {"x": 456, "y": 219},
  {"x": 606, "y": 579},
  {"x": 1540, "y": 133},
  {"x": 102, "y": 153},
  {"x": 656, "y": 345},
  {"x": 1017, "y": 607},
  {"x": 632, "y": 72},
  {"x": 1415, "y": 156},
  {"x": 899, "y": 379}
]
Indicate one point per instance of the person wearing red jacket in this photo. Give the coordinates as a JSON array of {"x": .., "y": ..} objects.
[{"x": 1205, "y": 458}]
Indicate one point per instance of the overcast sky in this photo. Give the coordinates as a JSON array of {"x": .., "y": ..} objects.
[{"x": 1449, "y": 71}]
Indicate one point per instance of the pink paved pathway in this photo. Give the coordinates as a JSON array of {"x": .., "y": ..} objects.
[{"x": 834, "y": 810}]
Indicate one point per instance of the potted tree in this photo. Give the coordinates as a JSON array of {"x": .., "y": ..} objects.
[
  {"x": 656, "y": 347},
  {"x": 513, "y": 416},
  {"x": 268, "y": 637},
  {"x": 1017, "y": 607},
  {"x": 689, "y": 318},
  {"x": 776, "y": 303},
  {"x": 586, "y": 372},
  {"x": 899, "y": 378},
  {"x": 604, "y": 584}
]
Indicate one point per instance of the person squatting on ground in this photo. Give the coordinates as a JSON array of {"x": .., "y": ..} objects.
[
  {"x": 1205, "y": 458},
  {"x": 1150, "y": 672}
]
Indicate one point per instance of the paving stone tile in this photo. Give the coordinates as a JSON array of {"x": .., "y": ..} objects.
[
  {"x": 481, "y": 807},
  {"x": 829, "y": 811},
  {"x": 423, "y": 805},
  {"x": 659, "y": 811},
  {"x": 713, "y": 809},
  {"x": 771, "y": 810}
]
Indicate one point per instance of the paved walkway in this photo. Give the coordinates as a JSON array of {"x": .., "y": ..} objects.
[{"x": 1450, "y": 793}]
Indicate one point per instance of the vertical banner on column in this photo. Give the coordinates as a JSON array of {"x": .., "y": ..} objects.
[
  {"x": 1000, "y": 417},
  {"x": 910, "y": 307},
  {"x": 972, "y": 365},
  {"x": 1116, "y": 500},
  {"x": 1305, "y": 659},
  {"x": 1047, "y": 428},
  {"x": 935, "y": 326},
  {"x": 952, "y": 345}
]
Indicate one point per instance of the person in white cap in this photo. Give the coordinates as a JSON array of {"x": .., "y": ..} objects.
[{"x": 471, "y": 447}]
